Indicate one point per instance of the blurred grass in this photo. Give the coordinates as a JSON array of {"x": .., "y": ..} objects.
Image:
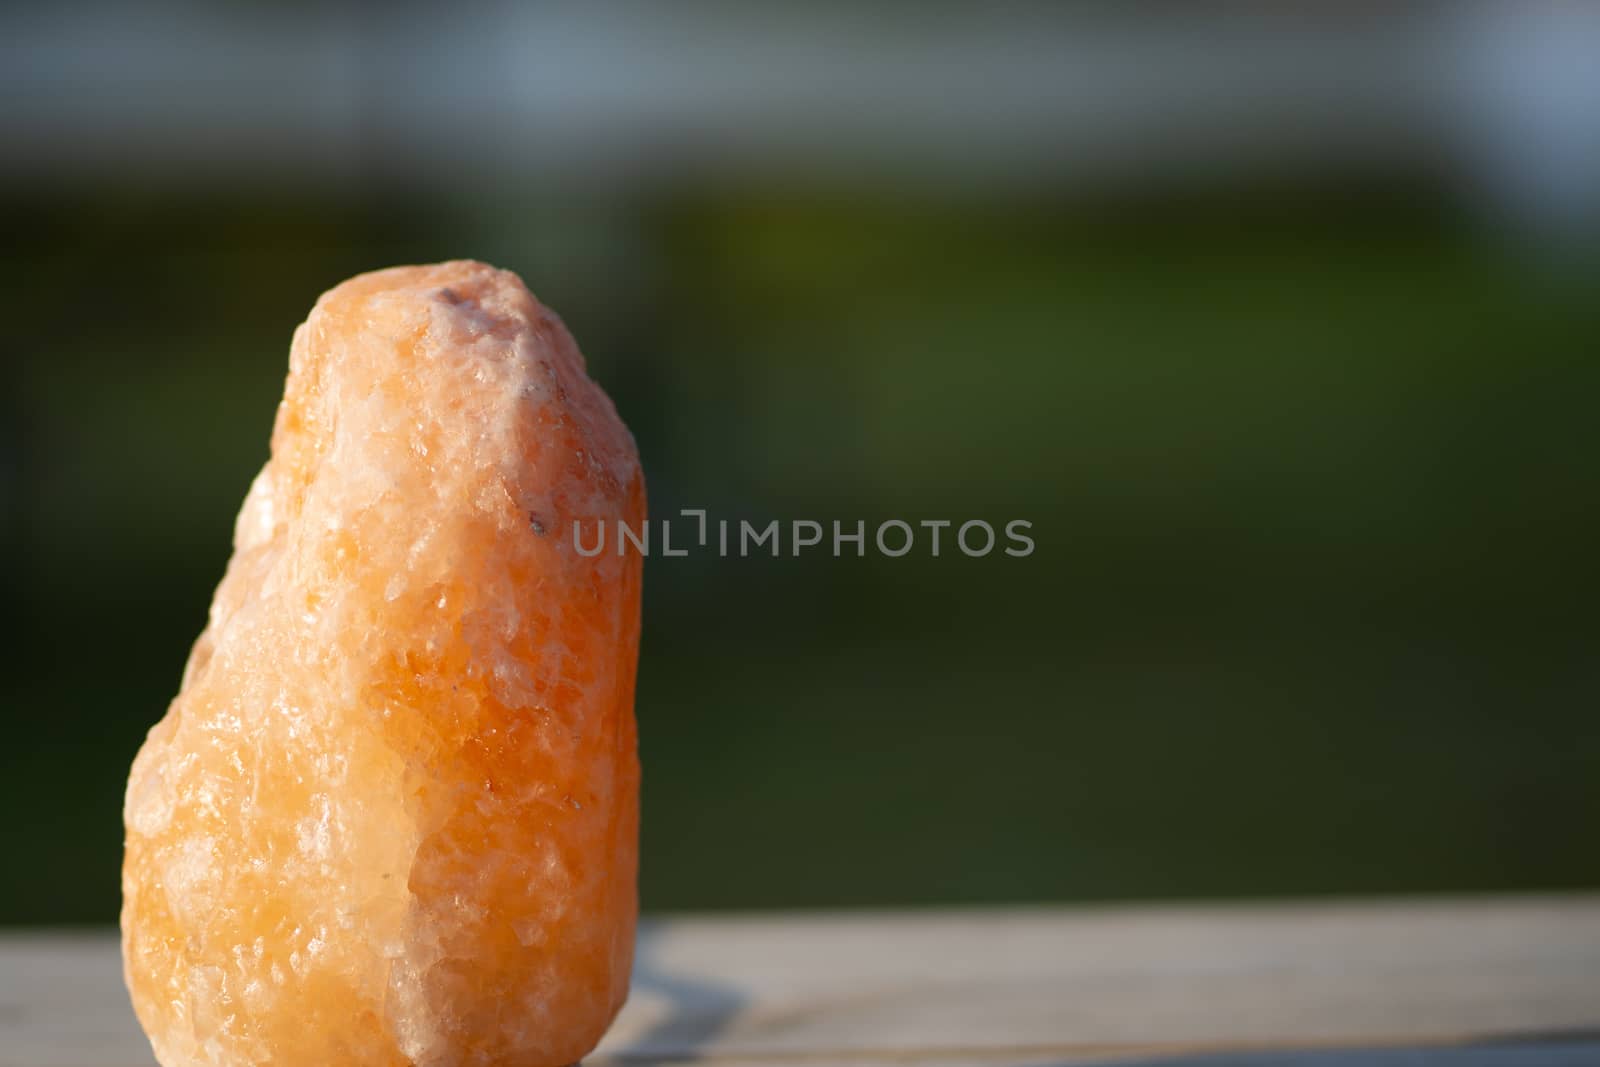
[{"x": 1311, "y": 471}]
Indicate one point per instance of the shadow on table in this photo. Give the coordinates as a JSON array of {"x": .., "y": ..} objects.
[
  {"x": 1574, "y": 1049},
  {"x": 698, "y": 1009}
]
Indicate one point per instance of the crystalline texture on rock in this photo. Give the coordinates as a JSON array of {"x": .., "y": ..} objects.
[{"x": 392, "y": 815}]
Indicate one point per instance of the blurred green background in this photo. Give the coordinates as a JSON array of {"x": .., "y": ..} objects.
[{"x": 1309, "y": 453}]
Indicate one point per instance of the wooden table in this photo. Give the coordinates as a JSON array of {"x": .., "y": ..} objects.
[{"x": 1464, "y": 983}]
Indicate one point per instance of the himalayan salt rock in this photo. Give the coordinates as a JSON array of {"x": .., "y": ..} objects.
[{"x": 392, "y": 815}]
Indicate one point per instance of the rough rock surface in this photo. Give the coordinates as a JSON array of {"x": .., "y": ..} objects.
[{"x": 392, "y": 815}]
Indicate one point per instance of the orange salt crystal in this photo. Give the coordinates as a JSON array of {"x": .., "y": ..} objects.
[{"x": 392, "y": 815}]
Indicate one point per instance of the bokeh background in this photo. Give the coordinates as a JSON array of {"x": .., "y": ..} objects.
[{"x": 1282, "y": 327}]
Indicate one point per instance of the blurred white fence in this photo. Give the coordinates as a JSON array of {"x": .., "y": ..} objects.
[{"x": 1505, "y": 95}]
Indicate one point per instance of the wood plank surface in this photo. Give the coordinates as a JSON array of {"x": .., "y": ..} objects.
[{"x": 1466, "y": 983}]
